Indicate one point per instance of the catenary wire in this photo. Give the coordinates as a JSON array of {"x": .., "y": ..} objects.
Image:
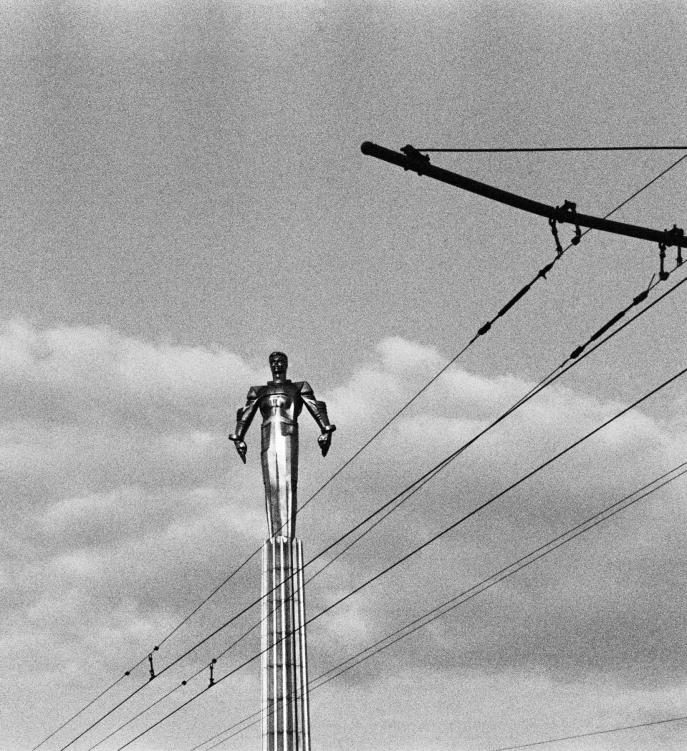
[
  {"x": 438, "y": 468},
  {"x": 530, "y": 150},
  {"x": 423, "y": 480},
  {"x": 483, "y": 330},
  {"x": 541, "y": 274},
  {"x": 434, "y": 538},
  {"x": 460, "y": 599},
  {"x": 139, "y": 714},
  {"x": 532, "y": 392},
  {"x": 593, "y": 732},
  {"x": 426, "y": 478},
  {"x": 252, "y": 628}
]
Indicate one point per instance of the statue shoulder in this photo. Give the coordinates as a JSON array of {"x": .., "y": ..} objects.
[
  {"x": 304, "y": 387},
  {"x": 255, "y": 392}
]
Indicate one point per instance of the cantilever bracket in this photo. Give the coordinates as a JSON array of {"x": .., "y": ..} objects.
[{"x": 422, "y": 166}]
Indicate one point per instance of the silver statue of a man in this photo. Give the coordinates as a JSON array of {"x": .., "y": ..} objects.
[{"x": 280, "y": 402}]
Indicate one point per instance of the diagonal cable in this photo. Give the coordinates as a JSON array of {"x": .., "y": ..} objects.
[
  {"x": 483, "y": 330},
  {"x": 449, "y": 605},
  {"x": 418, "y": 484},
  {"x": 434, "y": 538}
]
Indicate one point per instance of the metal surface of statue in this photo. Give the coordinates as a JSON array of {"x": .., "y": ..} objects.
[
  {"x": 285, "y": 705},
  {"x": 280, "y": 402}
]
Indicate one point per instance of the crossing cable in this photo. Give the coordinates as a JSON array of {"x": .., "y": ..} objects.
[
  {"x": 541, "y": 274},
  {"x": 465, "y": 596},
  {"x": 427, "y": 543},
  {"x": 399, "y": 499},
  {"x": 483, "y": 330},
  {"x": 412, "y": 488},
  {"x": 576, "y": 354},
  {"x": 558, "y": 148},
  {"x": 139, "y": 714},
  {"x": 442, "y": 464},
  {"x": 593, "y": 732},
  {"x": 485, "y": 581}
]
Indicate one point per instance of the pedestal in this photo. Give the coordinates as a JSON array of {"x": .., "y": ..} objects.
[{"x": 285, "y": 708}]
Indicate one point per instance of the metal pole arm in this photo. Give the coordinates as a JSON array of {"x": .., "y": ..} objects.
[{"x": 417, "y": 162}]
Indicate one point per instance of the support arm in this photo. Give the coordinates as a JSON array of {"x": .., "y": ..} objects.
[{"x": 420, "y": 163}]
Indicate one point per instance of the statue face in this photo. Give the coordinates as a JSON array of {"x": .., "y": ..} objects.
[{"x": 278, "y": 364}]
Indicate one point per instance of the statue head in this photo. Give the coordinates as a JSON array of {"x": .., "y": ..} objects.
[{"x": 279, "y": 362}]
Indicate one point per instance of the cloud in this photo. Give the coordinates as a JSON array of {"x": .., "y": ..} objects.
[
  {"x": 86, "y": 375},
  {"x": 123, "y": 506}
]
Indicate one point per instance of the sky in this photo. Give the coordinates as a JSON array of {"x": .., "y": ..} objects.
[{"x": 183, "y": 192}]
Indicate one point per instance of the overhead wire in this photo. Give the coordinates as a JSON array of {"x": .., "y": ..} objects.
[
  {"x": 411, "y": 489},
  {"x": 481, "y": 332},
  {"x": 590, "y": 733},
  {"x": 438, "y": 468},
  {"x": 534, "y": 149},
  {"x": 139, "y": 714},
  {"x": 449, "y": 605},
  {"x": 432, "y": 539}
]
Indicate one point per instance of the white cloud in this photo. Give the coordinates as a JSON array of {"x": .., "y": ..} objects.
[{"x": 124, "y": 506}]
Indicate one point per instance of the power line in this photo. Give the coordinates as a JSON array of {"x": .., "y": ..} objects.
[
  {"x": 558, "y": 148},
  {"x": 83, "y": 709},
  {"x": 593, "y": 732},
  {"x": 139, "y": 714},
  {"x": 640, "y": 298},
  {"x": 547, "y": 381},
  {"x": 451, "y": 604},
  {"x": 540, "y": 275},
  {"x": 483, "y": 330},
  {"x": 414, "y": 487},
  {"x": 435, "y": 537}
]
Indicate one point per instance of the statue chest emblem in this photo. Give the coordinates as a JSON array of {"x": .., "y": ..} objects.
[{"x": 281, "y": 402}]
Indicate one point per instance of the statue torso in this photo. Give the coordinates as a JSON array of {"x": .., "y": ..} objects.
[{"x": 280, "y": 402}]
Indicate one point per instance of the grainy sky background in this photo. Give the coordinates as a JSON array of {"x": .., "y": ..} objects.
[{"x": 183, "y": 192}]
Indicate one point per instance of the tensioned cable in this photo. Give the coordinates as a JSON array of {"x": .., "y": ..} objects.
[
  {"x": 430, "y": 541},
  {"x": 541, "y": 274},
  {"x": 252, "y": 628},
  {"x": 526, "y": 150},
  {"x": 418, "y": 484},
  {"x": 139, "y": 714},
  {"x": 554, "y": 375},
  {"x": 438, "y": 468},
  {"x": 593, "y": 732},
  {"x": 482, "y": 331},
  {"x": 449, "y": 605}
]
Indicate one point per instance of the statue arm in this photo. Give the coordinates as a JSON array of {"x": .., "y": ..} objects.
[
  {"x": 318, "y": 410},
  {"x": 244, "y": 417}
]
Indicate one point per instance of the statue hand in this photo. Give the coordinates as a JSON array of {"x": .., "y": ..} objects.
[
  {"x": 241, "y": 448},
  {"x": 325, "y": 441}
]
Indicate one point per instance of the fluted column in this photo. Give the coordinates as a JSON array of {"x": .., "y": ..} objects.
[{"x": 285, "y": 710}]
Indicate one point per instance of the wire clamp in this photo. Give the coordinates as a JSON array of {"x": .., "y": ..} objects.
[
  {"x": 545, "y": 270},
  {"x": 212, "y": 672},
  {"x": 673, "y": 237},
  {"x": 150, "y": 660},
  {"x": 662, "y": 273},
  {"x": 554, "y": 232},
  {"x": 418, "y": 159},
  {"x": 568, "y": 213}
]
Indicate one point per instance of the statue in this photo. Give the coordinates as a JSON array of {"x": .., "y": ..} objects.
[{"x": 280, "y": 402}]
